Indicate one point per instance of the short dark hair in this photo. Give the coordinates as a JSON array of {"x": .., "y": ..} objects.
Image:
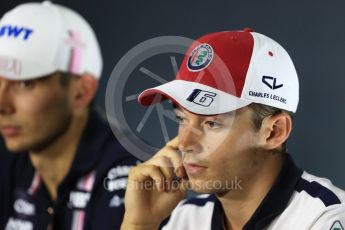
[
  {"x": 65, "y": 78},
  {"x": 262, "y": 111}
]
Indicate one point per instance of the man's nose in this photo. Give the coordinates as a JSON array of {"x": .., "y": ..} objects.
[
  {"x": 6, "y": 106},
  {"x": 189, "y": 140}
]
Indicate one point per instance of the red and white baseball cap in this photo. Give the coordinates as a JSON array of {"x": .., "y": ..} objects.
[
  {"x": 37, "y": 39},
  {"x": 225, "y": 71}
]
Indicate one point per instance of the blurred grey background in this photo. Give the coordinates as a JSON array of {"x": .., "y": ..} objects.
[{"x": 312, "y": 31}]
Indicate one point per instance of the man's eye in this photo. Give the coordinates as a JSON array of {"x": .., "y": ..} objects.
[
  {"x": 180, "y": 120},
  {"x": 25, "y": 84},
  {"x": 212, "y": 124}
]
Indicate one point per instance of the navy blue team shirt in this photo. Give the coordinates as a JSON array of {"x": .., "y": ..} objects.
[{"x": 91, "y": 196}]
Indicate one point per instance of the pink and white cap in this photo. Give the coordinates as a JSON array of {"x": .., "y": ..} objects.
[
  {"x": 228, "y": 70},
  {"x": 37, "y": 39}
]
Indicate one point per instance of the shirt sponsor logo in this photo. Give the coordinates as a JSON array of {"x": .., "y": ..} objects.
[
  {"x": 117, "y": 178},
  {"x": 200, "y": 57},
  {"x": 23, "y": 207},
  {"x": 16, "y": 224},
  {"x": 116, "y": 201},
  {"x": 337, "y": 226},
  {"x": 16, "y": 32},
  {"x": 78, "y": 199}
]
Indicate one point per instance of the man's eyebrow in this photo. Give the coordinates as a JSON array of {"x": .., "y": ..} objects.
[{"x": 220, "y": 116}]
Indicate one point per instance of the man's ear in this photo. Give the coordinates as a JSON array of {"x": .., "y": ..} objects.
[
  {"x": 84, "y": 90},
  {"x": 275, "y": 130}
]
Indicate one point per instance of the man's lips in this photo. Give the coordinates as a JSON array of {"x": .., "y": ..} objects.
[
  {"x": 193, "y": 168},
  {"x": 9, "y": 131}
]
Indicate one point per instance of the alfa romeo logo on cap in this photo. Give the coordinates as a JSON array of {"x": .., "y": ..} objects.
[{"x": 200, "y": 57}]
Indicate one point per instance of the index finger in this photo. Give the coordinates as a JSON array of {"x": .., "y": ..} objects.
[{"x": 173, "y": 143}]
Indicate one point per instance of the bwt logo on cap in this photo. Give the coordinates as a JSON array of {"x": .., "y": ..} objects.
[
  {"x": 15, "y": 31},
  {"x": 200, "y": 57}
]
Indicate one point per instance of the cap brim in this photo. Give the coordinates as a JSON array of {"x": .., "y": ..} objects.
[
  {"x": 194, "y": 97},
  {"x": 22, "y": 69}
]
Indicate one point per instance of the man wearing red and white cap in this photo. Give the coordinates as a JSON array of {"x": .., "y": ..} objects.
[
  {"x": 234, "y": 95},
  {"x": 72, "y": 172}
]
